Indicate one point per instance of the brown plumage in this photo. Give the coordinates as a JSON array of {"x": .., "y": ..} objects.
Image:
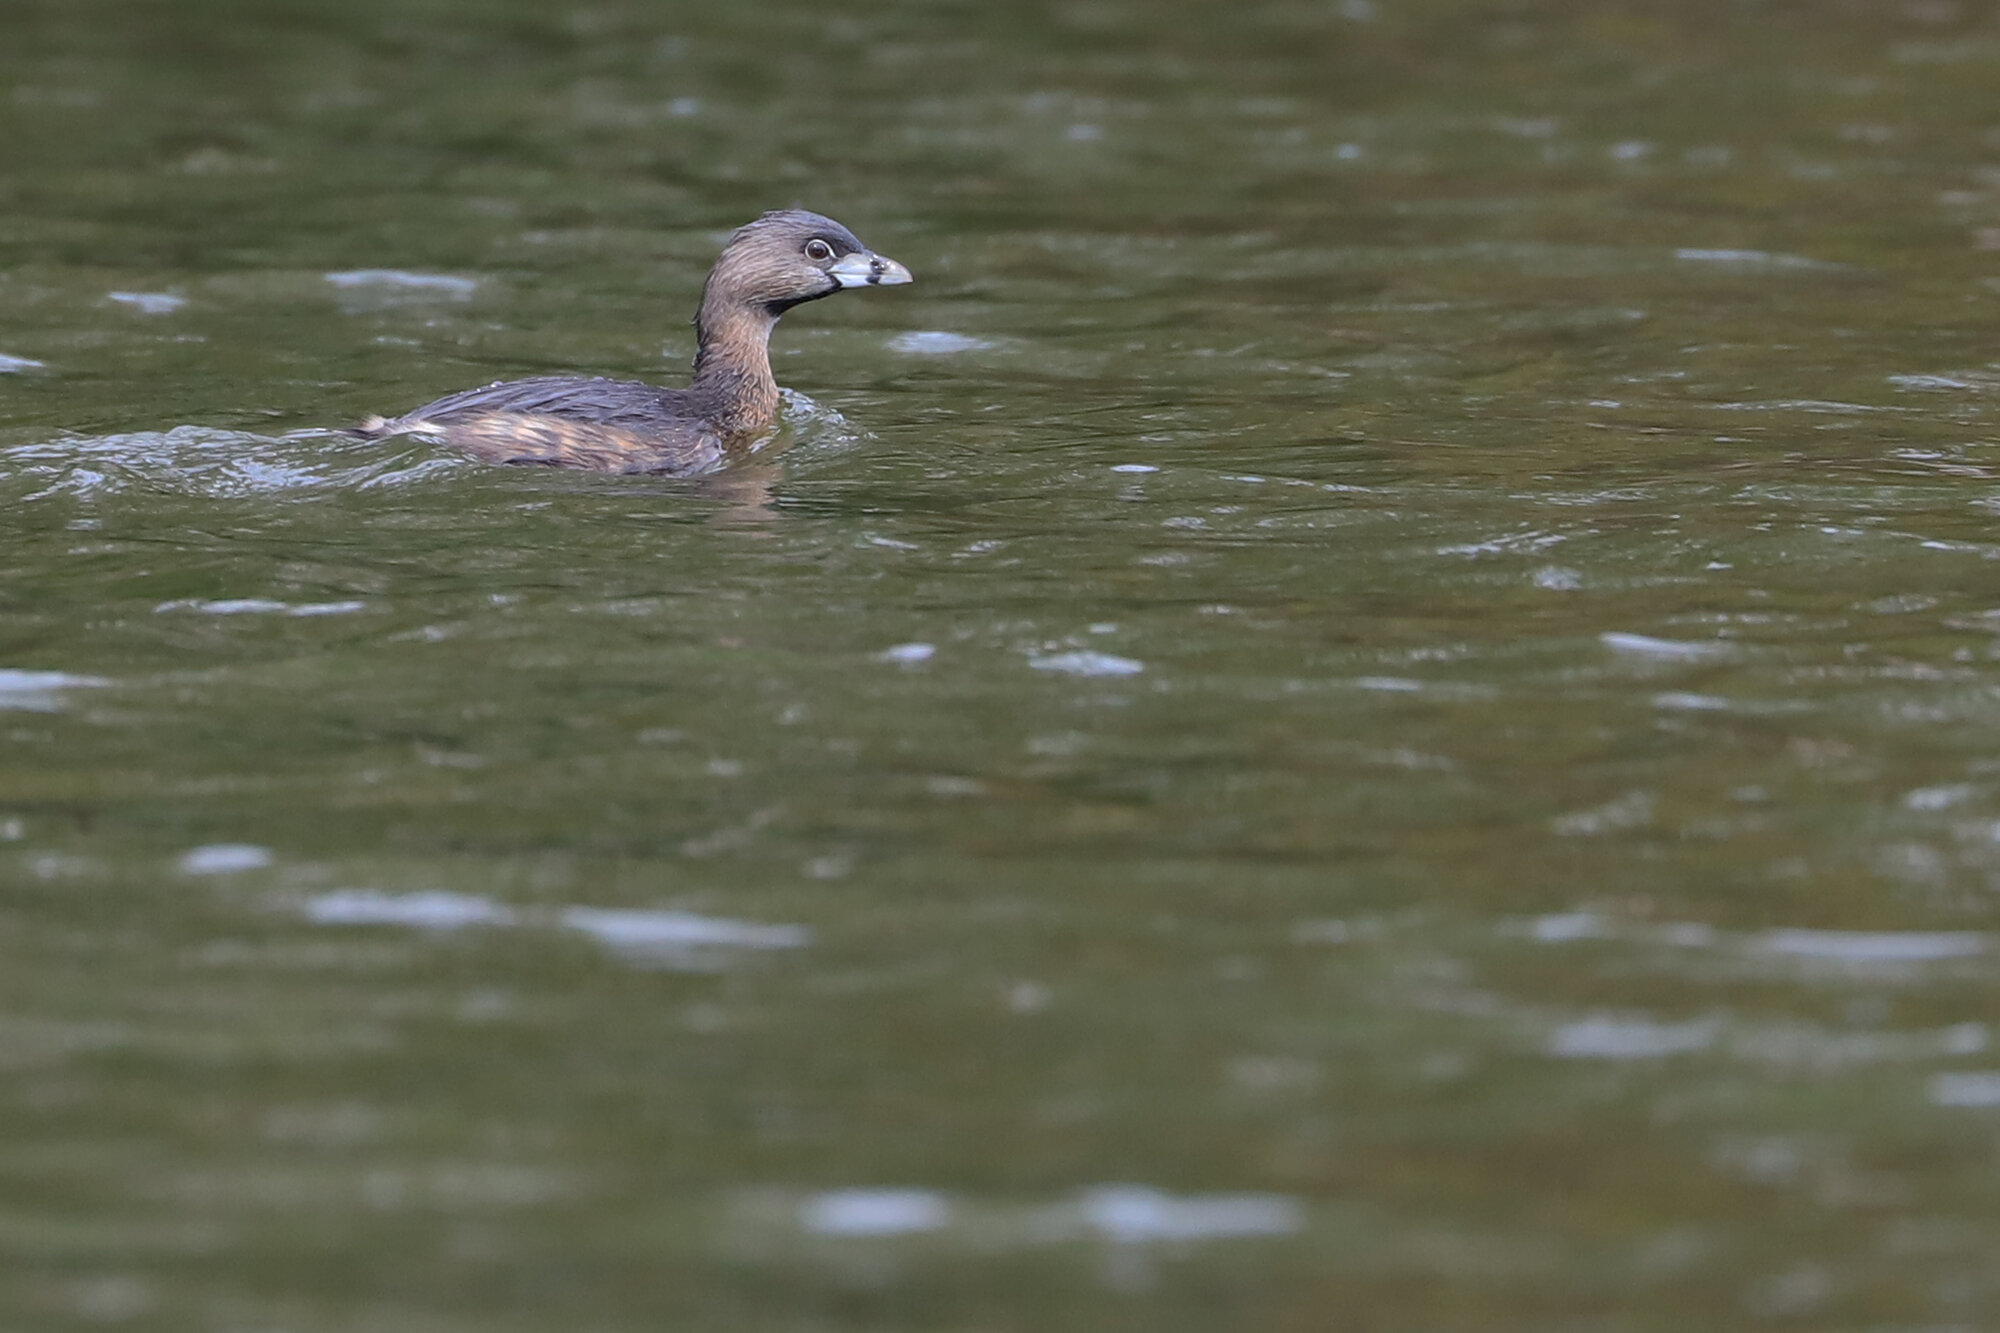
[{"x": 779, "y": 261}]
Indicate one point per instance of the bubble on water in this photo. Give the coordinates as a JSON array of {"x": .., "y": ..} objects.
[
  {"x": 909, "y": 654},
  {"x": 19, "y": 365}
]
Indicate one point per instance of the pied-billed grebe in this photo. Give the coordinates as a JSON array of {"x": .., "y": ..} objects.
[{"x": 604, "y": 425}]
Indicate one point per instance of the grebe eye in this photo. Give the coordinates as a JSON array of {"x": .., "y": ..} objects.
[{"x": 818, "y": 250}]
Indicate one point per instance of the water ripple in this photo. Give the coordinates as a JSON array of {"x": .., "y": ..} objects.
[
  {"x": 40, "y": 691},
  {"x": 206, "y": 462},
  {"x": 684, "y": 941}
]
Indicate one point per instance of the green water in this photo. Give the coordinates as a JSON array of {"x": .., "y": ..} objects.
[{"x": 1374, "y": 706}]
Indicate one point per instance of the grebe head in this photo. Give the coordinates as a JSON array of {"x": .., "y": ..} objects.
[{"x": 787, "y": 258}]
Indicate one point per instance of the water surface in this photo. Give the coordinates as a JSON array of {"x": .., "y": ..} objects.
[{"x": 1373, "y": 705}]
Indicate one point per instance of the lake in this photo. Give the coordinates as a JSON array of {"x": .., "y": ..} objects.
[{"x": 1375, "y": 705}]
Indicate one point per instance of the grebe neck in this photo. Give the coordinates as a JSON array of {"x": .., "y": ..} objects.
[{"x": 732, "y": 366}]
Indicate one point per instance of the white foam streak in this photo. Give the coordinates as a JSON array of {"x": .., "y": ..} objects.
[
  {"x": 1667, "y": 650},
  {"x": 679, "y": 933},
  {"x": 225, "y": 858},
  {"x": 1126, "y": 1215},
  {"x": 1609, "y": 1037},
  {"x": 874, "y": 1212},
  {"x": 1134, "y": 1214},
  {"x": 433, "y": 910},
  {"x": 659, "y": 938},
  {"x": 1872, "y": 946},
  {"x": 1085, "y": 663},
  {"x": 40, "y": 691},
  {"x": 1968, "y": 1088},
  {"x": 395, "y": 279}
]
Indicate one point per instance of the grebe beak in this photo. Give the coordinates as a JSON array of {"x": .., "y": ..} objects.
[{"x": 866, "y": 269}]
